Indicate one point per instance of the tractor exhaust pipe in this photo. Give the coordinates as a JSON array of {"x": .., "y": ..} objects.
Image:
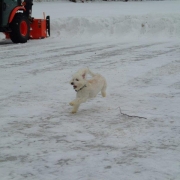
[{"x": 28, "y": 7}]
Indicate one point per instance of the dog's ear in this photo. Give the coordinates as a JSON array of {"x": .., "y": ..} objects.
[{"x": 84, "y": 75}]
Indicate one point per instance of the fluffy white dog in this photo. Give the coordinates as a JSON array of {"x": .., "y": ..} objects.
[{"x": 86, "y": 89}]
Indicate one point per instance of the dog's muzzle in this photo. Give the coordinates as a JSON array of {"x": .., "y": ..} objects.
[{"x": 73, "y": 85}]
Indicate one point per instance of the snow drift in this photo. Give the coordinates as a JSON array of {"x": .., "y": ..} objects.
[{"x": 122, "y": 26}]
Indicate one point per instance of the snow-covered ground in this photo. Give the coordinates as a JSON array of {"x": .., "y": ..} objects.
[{"x": 133, "y": 133}]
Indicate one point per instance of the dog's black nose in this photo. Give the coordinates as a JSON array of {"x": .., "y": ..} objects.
[{"x": 72, "y": 83}]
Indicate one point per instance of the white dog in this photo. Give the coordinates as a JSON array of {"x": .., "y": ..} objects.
[{"x": 86, "y": 89}]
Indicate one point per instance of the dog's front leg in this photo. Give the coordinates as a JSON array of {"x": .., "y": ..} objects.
[
  {"x": 75, "y": 108},
  {"x": 76, "y": 103}
]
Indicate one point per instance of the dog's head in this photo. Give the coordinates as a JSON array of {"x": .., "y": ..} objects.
[{"x": 78, "y": 80}]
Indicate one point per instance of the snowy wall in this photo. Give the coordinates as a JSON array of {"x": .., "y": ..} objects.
[
  {"x": 123, "y": 26},
  {"x": 94, "y": 20}
]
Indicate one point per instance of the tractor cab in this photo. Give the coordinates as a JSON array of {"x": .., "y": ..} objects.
[
  {"x": 6, "y": 7},
  {"x": 18, "y": 25}
]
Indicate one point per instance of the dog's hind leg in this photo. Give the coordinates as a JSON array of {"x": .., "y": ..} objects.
[{"x": 103, "y": 90}]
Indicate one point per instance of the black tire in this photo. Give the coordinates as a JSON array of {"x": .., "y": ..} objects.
[
  {"x": 48, "y": 25},
  {"x": 20, "y": 29}
]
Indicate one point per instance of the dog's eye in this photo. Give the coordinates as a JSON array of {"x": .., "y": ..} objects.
[{"x": 77, "y": 79}]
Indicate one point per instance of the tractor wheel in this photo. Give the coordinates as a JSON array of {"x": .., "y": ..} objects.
[{"x": 20, "y": 29}]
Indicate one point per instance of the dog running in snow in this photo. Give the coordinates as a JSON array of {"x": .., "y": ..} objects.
[{"x": 86, "y": 89}]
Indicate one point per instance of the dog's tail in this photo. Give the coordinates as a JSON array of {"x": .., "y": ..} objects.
[{"x": 91, "y": 73}]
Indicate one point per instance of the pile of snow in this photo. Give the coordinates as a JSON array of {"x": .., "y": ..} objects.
[
  {"x": 116, "y": 19},
  {"x": 69, "y": 20},
  {"x": 126, "y": 26}
]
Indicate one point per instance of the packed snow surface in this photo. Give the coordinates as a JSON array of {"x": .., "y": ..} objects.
[{"x": 133, "y": 133}]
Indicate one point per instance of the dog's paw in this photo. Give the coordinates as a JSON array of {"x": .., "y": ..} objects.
[
  {"x": 71, "y": 104},
  {"x": 73, "y": 111}
]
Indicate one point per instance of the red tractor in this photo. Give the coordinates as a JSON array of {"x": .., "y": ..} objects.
[{"x": 18, "y": 25}]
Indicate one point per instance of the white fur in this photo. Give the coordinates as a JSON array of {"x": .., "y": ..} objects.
[{"x": 86, "y": 89}]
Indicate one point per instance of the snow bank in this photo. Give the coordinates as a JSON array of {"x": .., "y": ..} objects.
[
  {"x": 113, "y": 19},
  {"x": 160, "y": 19},
  {"x": 132, "y": 26}
]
